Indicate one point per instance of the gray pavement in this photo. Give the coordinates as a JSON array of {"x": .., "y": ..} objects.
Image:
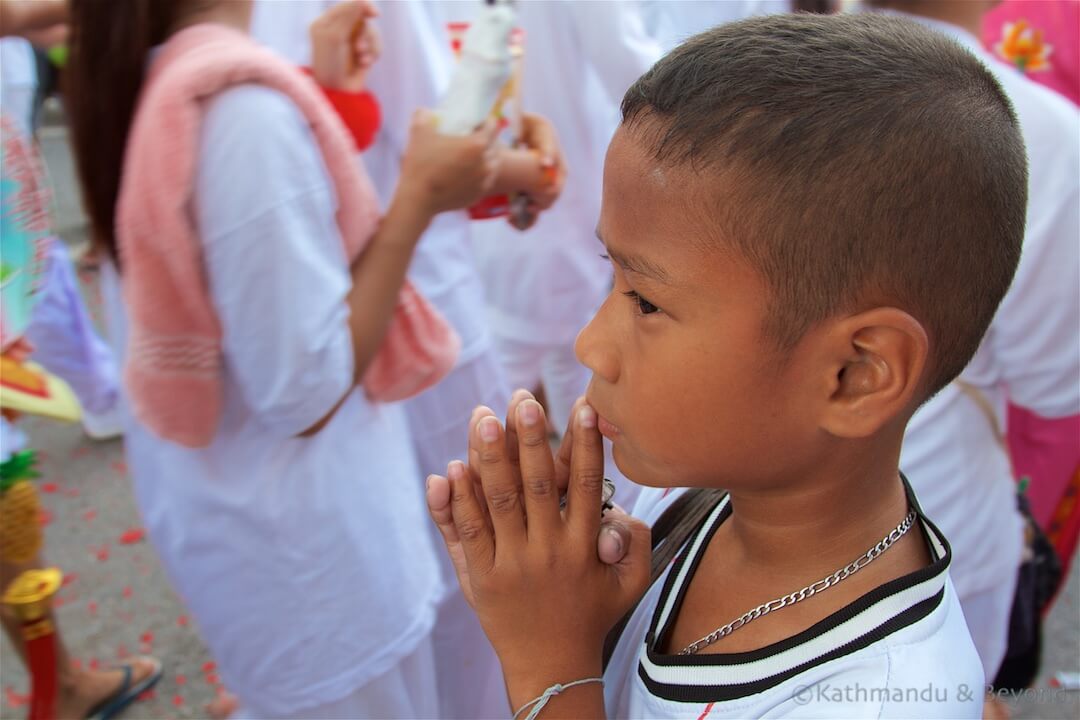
[{"x": 117, "y": 600}]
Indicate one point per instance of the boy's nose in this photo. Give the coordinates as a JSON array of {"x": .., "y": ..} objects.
[{"x": 595, "y": 350}]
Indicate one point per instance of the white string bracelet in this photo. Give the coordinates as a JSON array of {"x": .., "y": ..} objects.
[{"x": 539, "y": 703}]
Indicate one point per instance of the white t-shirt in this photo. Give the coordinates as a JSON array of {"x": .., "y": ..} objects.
[
  {"x": 1030, "y": 355},
  {"x": 672, "y": 21},
  {"x": 900, "y": 651},
  {"x": 545, "y": 283},
  {"x": 18, "y": 80},
  {"x": 298, "y": 557},
  {"x": 412, "y": 72}
]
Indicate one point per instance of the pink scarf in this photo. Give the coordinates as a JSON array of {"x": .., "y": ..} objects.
[{"x": 174, "y": 357}]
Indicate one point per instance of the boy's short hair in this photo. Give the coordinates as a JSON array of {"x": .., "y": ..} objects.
[{"x": 863, "y": 159}]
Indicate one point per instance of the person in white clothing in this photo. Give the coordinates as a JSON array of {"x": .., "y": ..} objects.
[
  {"x": 61, "y": 331},
  {"x": 783, "y": 304},
  {"x": 954, "y": 450},
  {"x": 294, "y": 535},
  {"x": 543, "y": 284},
  {"x": 414, "y": 71}
]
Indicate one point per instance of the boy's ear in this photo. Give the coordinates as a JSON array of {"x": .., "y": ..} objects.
[{"x": 877, "y": 359}]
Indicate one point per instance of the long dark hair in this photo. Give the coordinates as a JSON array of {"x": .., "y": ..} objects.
[{"x": 109, "y": 43}]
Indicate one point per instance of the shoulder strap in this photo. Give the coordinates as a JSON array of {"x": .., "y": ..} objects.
[{"x": 669, "y": 533}]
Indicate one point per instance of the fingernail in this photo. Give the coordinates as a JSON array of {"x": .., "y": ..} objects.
[
  {"x": 489, "y": 429},
  {"x": 615, "y": 538},
  {"x": 530, "y": 412},
  {"x": 587, "y": 417},
  {"x": 456, "y": 470}
]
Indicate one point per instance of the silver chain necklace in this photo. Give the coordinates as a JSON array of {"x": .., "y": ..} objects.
[{"x": 843, "y": 573}]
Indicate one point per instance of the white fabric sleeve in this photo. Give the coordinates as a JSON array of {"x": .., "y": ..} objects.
[
  {"x": 1035, "y": 335},
  {"x": 274, "y": 257},
  {"x": 613, "y": 36}
]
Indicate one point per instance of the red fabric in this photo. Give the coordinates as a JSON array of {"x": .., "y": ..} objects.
[
  {"x": 360, "y": 112},
  {"x": 1047, "y": 452},
  {"x": 45, "y": 686}
]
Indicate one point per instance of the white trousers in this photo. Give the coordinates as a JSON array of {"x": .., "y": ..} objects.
[
  {"x": 987, "y": 613},
  {"x": 469, "y": 677},
  {"x": 405, "y": 691},
  {"x": 64, "y": 339}
]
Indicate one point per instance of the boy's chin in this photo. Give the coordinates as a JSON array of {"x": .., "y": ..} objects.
[{"x": 637, "y": 471}]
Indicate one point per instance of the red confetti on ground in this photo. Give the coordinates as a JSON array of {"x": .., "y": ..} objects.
[
  {"x": 89, "y": 515},
  {"x": 182, "y": 621},
  {"x": 45, "y": 517},
  {"x": 120, "y": 466},
  {"x": 79, "y": 451},
  {"x": 213, "y": 679},
  {"x": 209, "y": 666},
  {"x": 147, "y": 638},
  {"x": 58, "y": 602},
  {"x": 102, "y": 553},
  {"x": 148, "y": 694},
  {"x": 177, "y": 700},
  {"x": 94, "y": 664},
  {"x": 220, "y": 690},
  {"x": 49, "y": 487},
  {"x": 76, "y": 663},
  {"x": 181, "y": 680},
  {"x": 72, "y": 492},
  {"x": 132, "y": 536},
  {"x": 128, "y": 592},
  {"x": 69, "y": 578},
  {"x": 92, "y": 607},
  {"x": 122, "y": 651},
  {"x": 14, "y": 699}
]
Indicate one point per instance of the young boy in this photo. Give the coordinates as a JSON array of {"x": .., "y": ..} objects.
[{"x": 812, "y": 221}]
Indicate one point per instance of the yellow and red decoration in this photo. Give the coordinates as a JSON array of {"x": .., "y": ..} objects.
[
  {"x": 29, "y": 596},
  {"x": 27, "y": 388}
]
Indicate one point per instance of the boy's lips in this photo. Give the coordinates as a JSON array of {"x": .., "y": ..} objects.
[{"x": 606, "y": 428}]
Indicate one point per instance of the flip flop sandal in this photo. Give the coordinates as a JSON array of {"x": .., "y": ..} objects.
[{"x": 127, "y": 693}]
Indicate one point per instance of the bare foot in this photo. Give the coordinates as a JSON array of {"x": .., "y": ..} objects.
[
  {"x": 86, "y": 689},
  {"x": 221, "y": 707}
]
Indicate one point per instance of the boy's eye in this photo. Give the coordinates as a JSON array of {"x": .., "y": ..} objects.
[{"x": 643, "y": 306}]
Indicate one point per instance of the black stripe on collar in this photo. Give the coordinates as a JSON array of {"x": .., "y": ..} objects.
[
  {"x": 706, "y": 693},
  {"x": 722, "y": 693}
]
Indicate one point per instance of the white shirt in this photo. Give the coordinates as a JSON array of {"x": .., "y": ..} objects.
[
  {"x": 899, "y": 651},
  {"x": 18, "y": 80},
  {"x": 1031, "y": 353},
  {"x": 298, "y": 557},
  {"x": 412, "y": 72},
  {"x": 580, "y": 57},
  {"x": 672, "y": 21}
]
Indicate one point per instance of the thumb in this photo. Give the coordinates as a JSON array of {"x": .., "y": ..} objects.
[
  {"x": 615, "y": 535},
  {"x": 635, "y": 567}
]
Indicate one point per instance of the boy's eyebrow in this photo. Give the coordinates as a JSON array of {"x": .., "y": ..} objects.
[{"x": 635, "y": 263}]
